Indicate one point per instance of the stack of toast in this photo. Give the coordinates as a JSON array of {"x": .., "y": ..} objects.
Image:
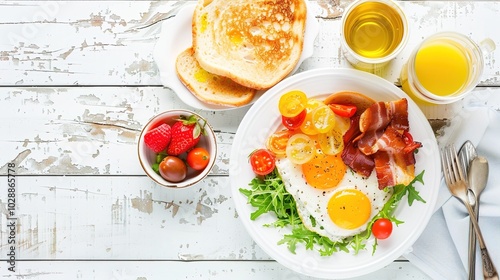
[{"x": 240, "y": 47}]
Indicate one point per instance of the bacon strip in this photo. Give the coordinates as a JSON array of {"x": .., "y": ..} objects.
[
  {"x": 382, "y": 143},
  {"x": 375, "y": 120},
  {"x": 399, "y": 112},
  {"x": 376, "y": 117},
  {"x": 391, "y": 169},
  {"x": 357, "y": 161},
  {"x": 389, "y": 140},
  {"x": 351, "y": 155}
]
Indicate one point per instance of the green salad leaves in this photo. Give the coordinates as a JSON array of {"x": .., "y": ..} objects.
[{"x": 268, "y": 194}]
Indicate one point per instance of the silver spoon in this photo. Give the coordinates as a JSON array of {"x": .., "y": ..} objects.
[
  {"x": 477, "y": 177},
  {"x": 458, "y": 186}
]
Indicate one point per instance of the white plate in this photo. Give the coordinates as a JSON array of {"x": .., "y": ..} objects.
[
  {"x": 264, "y": 118},
  {"x": 176, "y": 36}
]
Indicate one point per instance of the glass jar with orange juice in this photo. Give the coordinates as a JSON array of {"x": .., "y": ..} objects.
[{"x": 444, "y": 67}]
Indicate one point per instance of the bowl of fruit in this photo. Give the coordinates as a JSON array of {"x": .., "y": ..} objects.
[{"x": 177, "y": 148}]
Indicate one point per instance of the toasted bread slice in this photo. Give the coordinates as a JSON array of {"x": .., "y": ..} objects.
[
  {"x": 208, "y": 87},
  {"x": 256, "y": 43}
]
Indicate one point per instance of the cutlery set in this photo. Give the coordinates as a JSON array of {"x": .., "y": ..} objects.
[{"x": 466, "y": 175}]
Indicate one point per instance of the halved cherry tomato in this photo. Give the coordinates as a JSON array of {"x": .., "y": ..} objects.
[
  {"x": 292, "y": 103},
  {"x": 331, "y": 142},
  {"x": 262, "y": 161},
  {"x": 313, "y": 103},
  {"x": 300, "y": 148},
  {"x": 342, "y": 124},
  {"x": 276, "y": 143},
  {"x": 382, "y": 228},
  {"x": 407, "y": 137},
  {"x": 342, "y": 110},
  {"x": 323, "y": 119},
  {"x": 293, "y": 123},
  {"x": 307, "y": 126},
  {"x": 411, "y": 145}
]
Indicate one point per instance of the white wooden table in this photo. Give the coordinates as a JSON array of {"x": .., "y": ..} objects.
[{"x": 77, "y": 83}]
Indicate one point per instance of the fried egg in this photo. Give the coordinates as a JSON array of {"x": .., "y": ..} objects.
[{"x": 332, "y": 200}]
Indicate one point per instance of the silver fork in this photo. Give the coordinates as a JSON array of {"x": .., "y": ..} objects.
[
  {"x": 455, "y": 180},
  {"x": 466, "y": 154}
]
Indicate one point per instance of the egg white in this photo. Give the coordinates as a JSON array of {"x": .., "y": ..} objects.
[{"x": 312, "y": 203}]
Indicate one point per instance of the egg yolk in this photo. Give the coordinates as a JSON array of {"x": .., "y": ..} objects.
[
  {"x": 349, "y": 209},
  {"x": 324, "y": 171}
]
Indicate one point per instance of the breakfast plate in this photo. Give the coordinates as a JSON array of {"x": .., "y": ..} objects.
[
  {"x": 263, "y": 118},
  {"x": 176, "y": 36}
]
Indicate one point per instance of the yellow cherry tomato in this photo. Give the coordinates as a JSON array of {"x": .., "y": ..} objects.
[
  {"x": 331, "y": 142},
  {"x": 300, "y": 148},
  {"x": 323, "y": 119},
  {"x": 307, "y": 126},
  {"x": 342, "y": 124},
  {"x": 312, "y": 104},
  {"x": 292, "y": 103}
]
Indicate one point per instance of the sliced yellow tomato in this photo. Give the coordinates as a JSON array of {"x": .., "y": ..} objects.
[
  {"x": 292, "y": 103},
  {"x": 312, "y": 104},
  {"x": 331, "y": 142},
  {"x": 300, "y": 148},
  {"x": 276, "y": 143},
  {"x": 342, "y": 124},
  {"x": 323, "y": 119},
  {"x": 307, "y": 126}
]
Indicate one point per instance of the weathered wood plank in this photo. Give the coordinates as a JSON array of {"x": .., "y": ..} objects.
[
  {"x": 121, "y": 36},
  {"x": 110, "y": 217},
  {"x": 94, "y": 130},
  {"x": 113, "y": 212},
  {"x": 216, "y": 270},
  {"x": 91, "y": 130}
]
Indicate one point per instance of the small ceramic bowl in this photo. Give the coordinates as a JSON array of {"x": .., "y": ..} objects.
[{"x": 147, "y": 157}]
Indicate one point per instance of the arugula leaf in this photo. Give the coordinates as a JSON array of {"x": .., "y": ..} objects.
[
  {"x": 158, "y": 159},
  {"x": 268, "y": 194}
]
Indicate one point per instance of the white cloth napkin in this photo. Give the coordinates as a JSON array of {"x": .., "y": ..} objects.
[{"x": 442, "y": 250}]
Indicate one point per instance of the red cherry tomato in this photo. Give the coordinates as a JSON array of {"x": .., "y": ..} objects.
[
  {"x": 382, "y": 228},
  {"x": 407, "y": 137},
  {"x": 198, "y": 158},
  {"x": 341, "y": 110},
  {"x": 293, "y": 123},
  {"x": 262, "y": 161},
  {"x": 173, "y": 169},
  {"x": 411, "y": 145}
]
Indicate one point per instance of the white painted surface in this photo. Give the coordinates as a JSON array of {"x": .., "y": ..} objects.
[
  {"x": 78, "y": 82},
  {"x": 151, "y": 270},
  {"x": 111, "y": 42}
]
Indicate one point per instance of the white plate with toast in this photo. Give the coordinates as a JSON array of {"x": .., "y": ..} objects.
[
  {"x": 176, "y": 36},
  {"x": 263, "y": 118}
]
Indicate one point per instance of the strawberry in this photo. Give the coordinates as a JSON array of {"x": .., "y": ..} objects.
[
  {"x": 158, "y": 138},
  {"x": 186, "y": 133}
]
